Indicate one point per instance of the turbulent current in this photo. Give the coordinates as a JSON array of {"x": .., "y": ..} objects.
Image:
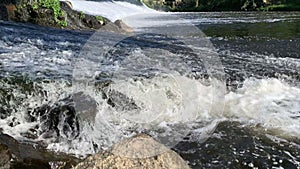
[{"x": 225, "y": 96}]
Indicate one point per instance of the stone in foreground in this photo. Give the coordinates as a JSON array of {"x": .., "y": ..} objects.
[
  {"x": 5, "y": 157},
  {"x": 138, "y": 152}
]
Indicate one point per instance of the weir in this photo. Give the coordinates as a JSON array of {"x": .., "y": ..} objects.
[{"x": 112, "y": 10}]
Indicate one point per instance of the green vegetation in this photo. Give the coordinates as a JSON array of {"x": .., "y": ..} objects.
[
  {"x": 54, "y": 5},
  {"x": 81, "y": 15},
  {"x": 100, "y": 19},
  {"x": 35, "y": 5},
  {"x": 157, "y": 4},
  {"x": 55, "y": 14},
  {"x": 287, "y": 5},
  {"x": 224, "y": 5}
]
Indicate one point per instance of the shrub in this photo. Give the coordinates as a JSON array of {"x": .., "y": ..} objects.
[
  {"x": 99, "y": 18},
  {"x": 81, "y": 15},
  {"x": 54, "y": 5}
]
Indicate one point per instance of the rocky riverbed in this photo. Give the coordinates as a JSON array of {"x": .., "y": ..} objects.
[{"x": 140, "y": 151}]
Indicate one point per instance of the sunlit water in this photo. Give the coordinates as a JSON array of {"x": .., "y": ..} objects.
[{"x": 154, "y": 84}]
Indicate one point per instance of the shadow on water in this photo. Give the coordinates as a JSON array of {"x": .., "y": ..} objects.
[{"x": 14, "y": 33}]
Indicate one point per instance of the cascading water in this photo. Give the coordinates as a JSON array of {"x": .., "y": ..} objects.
[{"x": 112, "y": 10}]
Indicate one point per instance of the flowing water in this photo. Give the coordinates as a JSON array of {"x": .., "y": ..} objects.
[
  {"x": 112, "y": 10},
  {"x": 221, "y": 89}
]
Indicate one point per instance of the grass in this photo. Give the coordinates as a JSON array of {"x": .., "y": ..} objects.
[
  {"x": 281, "y": 7},
  {"x": 289, "y": 5}
]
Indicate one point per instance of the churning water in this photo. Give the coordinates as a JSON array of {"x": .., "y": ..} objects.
[{"x": 243, "y": 111}]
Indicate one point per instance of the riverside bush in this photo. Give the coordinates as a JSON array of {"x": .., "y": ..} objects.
[{"x": 54, "y": 5}]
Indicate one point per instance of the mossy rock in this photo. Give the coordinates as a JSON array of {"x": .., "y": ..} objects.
[{"x": 62, "y": 16}]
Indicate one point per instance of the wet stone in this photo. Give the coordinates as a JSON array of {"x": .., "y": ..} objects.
[
  {"x": 138, "y": 152},
  {"x": 5, "y": 157}
]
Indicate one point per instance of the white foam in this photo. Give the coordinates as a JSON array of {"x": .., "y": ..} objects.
[
  {"x": 164, "y": 102},
  {"x": 270, "y": 102},
  {"x": 55, "y": 91},
  {"x": 171, "y": 99},
  {"x": 112, "y": 10}
]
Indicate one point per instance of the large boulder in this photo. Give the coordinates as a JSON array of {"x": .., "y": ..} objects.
[
  {"x": 138, "y": 152},
  {"x": 79, "y": 20},
  {"x": 119, "y": 23},
  {"x": 117, "y": 27},
  {"x": 28, "y": 11}
]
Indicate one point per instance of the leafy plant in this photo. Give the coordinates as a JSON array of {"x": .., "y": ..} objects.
[
  {"x": 54, "y": 5},
  {"x": 62, "y": 13},
  {"x": 35, "y": 5},
  {"x": 81, "y": 15},
  {"x": 100, "y": 19},
  {"x": 63, "y": 23}
]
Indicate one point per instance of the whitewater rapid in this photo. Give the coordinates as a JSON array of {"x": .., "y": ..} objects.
[{"x": 164, "y": 102}]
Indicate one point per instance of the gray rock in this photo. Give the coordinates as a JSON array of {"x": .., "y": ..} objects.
[
  {"x": 138, "y": 152},
  {"x": 15, "y": 155},
  {"x": 123, "y": 26},
  {"x": 5, "y": 157}
]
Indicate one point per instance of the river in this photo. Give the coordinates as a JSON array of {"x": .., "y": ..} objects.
[{"x": 221, "y": 89}]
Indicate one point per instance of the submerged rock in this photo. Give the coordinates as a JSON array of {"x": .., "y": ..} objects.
[{"x": 138, "y": 152}]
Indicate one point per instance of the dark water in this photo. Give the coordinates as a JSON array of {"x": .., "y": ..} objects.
[
  {"x": 259, "y": 52},
  {"x": 264, "y": 44},
  {"x": 273, "y": 35}
]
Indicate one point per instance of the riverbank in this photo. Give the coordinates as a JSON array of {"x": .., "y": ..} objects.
[
  {"x": 88, "y": 15},
  {"x": 51, "y": 13},
  {"x": 293, "y": 5},
  {"x": 225, "y": 5},
  {"x": 61, "y": 15}
]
